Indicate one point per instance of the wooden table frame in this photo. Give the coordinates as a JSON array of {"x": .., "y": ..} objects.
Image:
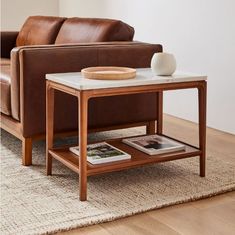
[{"x": 83, "y": 98}]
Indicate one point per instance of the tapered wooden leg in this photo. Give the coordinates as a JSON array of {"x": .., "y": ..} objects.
[
  {"x": 202, "y": 93},
  {"x": 49, "y": 127},
  {"x": 83, "y": 115},
  {"x": 159, "y": 112},
  {"x": 151, "y": 128},
  {"x": 26, "y": 151}
]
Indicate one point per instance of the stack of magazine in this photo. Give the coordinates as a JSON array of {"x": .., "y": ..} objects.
[
  {"x": 102, "y": 153},
  {"x": 150, "y": 144},
  {"x": 154, "y": 144}
]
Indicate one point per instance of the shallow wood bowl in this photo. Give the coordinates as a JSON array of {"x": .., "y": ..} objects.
[{"x": 109, "y": 73}]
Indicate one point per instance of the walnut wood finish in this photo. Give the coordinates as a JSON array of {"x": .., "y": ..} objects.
[
  {"x": 26, "y": 151},
  {"x": 49, "y": 127},
  {"x": 202, "y": 126},
  {"x": 151, "y": 128},
  {"x": 159, "y": 112},
  {"x": 11, "y": 126},
  {"x": 138, "y": 158},
  {"x": 14, "y": 127},
  {"x": 82, "y": 130}
]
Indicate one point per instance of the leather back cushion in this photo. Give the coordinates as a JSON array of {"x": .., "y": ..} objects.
[
  {"x": 39, "y": 30},
  {"x": 80, "y": 30}
]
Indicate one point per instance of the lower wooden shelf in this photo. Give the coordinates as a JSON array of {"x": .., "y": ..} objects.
[{"x": 138, "y": 158}]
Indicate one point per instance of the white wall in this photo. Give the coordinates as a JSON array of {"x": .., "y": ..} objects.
[
  {"x": 15, "y": 12},
  {"x": 82, "y": 8},
  {"x": 201, "y": 34}
]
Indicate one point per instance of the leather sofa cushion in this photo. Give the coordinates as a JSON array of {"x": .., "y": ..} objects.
[
  {"x": 5, "y": 86},
  {"x": 39, "y": 30},
  {"x": 80, "y": 30},
  {"x": 5, "y": 61}
]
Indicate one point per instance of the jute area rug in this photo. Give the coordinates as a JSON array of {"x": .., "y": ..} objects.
[{"x": 33, "y": 203}]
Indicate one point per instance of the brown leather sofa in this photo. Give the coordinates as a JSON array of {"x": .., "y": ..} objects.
[{"x": 53, "y": 45}]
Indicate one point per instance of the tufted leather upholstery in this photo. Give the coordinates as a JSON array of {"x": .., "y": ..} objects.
[{"x": 80, "y": 30}]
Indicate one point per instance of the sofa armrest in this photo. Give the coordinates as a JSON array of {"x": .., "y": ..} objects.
[
  {"x": 35, "y": 62},
  {"x": 8, "y": 41}
]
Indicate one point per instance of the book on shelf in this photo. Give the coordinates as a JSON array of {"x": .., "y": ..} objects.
[
  {"x": 154, "y": 144},
  {"x": 102, "y": 153}
]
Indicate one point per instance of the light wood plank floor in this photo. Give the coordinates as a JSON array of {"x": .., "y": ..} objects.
[{"x": 214, "y": 215}]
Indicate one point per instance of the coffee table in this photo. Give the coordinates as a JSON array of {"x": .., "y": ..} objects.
[{"x": 145, "y": 82}]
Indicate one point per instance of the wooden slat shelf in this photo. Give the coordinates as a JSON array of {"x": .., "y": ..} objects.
[{"x": 138, "y": 158}]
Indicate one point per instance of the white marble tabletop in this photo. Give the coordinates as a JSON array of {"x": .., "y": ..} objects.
[{"x": 143, "y": 77}]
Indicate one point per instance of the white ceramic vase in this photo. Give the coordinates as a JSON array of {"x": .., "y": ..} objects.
[{"x": 163, "y": 64}]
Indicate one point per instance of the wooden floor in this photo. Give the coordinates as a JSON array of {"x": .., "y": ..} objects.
[{"x": 214, "y": 215}]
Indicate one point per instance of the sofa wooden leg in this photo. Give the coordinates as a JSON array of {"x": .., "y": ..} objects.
[
  {"x": 151, "y": 128},
  {"x": 27, "y": 151}
]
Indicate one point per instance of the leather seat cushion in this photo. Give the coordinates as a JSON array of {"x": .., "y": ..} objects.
[
  {"x": 39, "y": 30},
  {"x": 5, "y": 86},
  {"x": 81, "y": 30}
]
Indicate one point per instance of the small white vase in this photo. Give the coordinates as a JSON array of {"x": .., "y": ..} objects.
[{"x": 163, "y": 64}]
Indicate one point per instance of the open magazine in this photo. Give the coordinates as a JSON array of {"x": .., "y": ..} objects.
[
  {"x": 154, "y": 144},
  {"x": 102, "y": 153}
]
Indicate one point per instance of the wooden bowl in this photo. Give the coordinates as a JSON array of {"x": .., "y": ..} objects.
[{"x": 109, "y": 73}]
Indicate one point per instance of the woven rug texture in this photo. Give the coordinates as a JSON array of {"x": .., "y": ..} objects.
[{"x": 33, "y": 203}]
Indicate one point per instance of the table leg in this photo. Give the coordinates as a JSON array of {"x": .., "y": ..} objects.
[
  {"x": 159, "y": 112},
  {"x": 49, "y": 126},
  {"x": 202, "y": 93},
  {"x": 151, "y": 128},
  {"x": 83, "y": 116}
]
